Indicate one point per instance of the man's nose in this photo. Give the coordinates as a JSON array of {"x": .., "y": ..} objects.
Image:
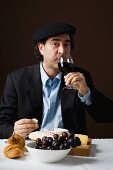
[{"x": 61, "y": 49}]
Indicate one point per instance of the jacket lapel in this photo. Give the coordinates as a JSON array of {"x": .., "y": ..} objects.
[{"x": 35, "y": 92}]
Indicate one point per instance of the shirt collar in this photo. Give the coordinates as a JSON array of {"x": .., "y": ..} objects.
[{"x": 45, "y": 77}]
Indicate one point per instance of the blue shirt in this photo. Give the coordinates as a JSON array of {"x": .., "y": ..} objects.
[{"x": 51, "y": 116}]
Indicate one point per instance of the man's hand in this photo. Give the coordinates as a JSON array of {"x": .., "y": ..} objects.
[
  {"x": 23, "y": 127},
  {"x": 77, "y": 81}
]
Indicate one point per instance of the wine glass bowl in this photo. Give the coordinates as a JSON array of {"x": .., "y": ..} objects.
[{"x": 66, "y": 65}]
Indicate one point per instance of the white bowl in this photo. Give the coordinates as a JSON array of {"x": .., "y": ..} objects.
[{"x": 46, "y": 156}]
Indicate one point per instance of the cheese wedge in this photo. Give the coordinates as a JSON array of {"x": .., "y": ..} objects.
[{"x": 83, "y": 138}]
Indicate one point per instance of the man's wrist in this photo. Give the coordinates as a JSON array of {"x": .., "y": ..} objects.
[
  {"x": 86, "y": 99},
  {"x": 84, "y": 92}
]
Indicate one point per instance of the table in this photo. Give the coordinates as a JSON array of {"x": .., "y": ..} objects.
[{"x": 100, "y": 158}]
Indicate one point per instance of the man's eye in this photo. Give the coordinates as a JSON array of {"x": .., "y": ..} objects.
[
  {"x": 54, "y": 44},
  {"x": 67, "y": 45}
]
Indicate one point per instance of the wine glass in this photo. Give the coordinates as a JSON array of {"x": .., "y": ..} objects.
[{"x": 66, "y": 65}]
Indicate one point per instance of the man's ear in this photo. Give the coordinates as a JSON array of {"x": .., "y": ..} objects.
[{"x": 41, "y": 48}]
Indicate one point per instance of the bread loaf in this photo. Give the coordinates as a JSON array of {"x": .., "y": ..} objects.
[
  {"x": 15, "y": 149},
  {"x": 16, "y": 139}
]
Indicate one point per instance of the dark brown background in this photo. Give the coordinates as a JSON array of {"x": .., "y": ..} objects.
[{"x": 19, "y": 19}]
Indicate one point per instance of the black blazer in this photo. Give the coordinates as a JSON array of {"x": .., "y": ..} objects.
[{"x": 22, "y": 98}]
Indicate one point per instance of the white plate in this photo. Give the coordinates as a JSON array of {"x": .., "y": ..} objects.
[
  {"x": 46, "y": 132},
  {"x": 37, "y": 134},
  {"x": 55, "y": 131}
]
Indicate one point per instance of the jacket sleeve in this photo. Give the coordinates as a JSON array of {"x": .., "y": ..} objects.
[
  {"x": 101, "y": 108},
  {"x": 8, "y": 109}
]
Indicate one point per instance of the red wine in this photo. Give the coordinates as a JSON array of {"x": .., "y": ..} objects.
[{"x": 65, "y": 67}]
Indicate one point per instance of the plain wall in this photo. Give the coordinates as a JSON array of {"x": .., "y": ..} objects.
[{"x": 94, "y": 40}]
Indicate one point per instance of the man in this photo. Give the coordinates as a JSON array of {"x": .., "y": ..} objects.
[{"x": 36, "y": 91}]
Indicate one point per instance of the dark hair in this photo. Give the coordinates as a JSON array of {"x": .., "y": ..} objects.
[
  {"x": 43, "y": 41},
  {"x": 36, "y": 49}
]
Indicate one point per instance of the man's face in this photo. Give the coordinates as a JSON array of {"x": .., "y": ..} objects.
[{"x": 53, "y": 49}]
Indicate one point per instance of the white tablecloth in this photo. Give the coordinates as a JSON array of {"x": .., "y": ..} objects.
[{"x": 101, "y": 158}]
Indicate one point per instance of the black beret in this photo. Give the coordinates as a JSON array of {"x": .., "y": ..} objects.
[{"x": 53, "y": 29}]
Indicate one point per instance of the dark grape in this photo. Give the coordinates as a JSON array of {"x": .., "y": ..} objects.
[
  {"x": 61, "y": 146},
  {"x": 64, "y": 135},
  {"x": 50, "y": 140},
  {"x": 55, "y": 136},
  {"x": 61, "y": 139},
  {"x": 78, "y": 141},
  {"x": 38, "y": 140},
  {"x": 72, "y": 142},
  {"x": 44, "y": 138},
  {"x": 58, "y": 142},
  {"x": 66, "y": 145},
  {"x": 38, "y": 145},
  {"x": 71, "y": 135},
  {"x": 45, "y": 142}
]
